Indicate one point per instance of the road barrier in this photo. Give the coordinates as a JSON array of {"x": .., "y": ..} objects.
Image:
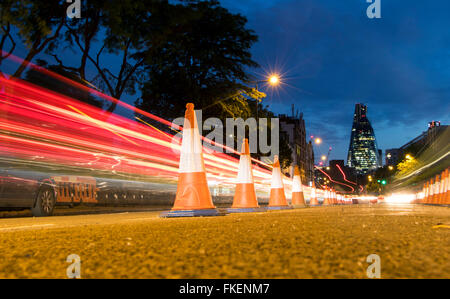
[
  {"x": 436, "y": 190},
  {"x": 192, "y": 197},
  {"x": 245, "y": 195},
  {"x": 313, "y": 199},
  {"x": 298, "y": 197},
  {"x": 277, "y": 199}
]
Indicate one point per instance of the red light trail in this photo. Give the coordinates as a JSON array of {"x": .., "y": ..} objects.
[
  {"x": 340, "y": 183},
  {"x": 343, "y": 174},
  {"x": 40, "y": 127}
]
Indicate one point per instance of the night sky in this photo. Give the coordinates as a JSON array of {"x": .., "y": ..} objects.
[{"x": 333, "y": 56}]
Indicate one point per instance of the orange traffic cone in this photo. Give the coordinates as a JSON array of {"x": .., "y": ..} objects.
[
  {"x": 298, "y": 198},
  {"x": 443, "y": 188},
  {"x": 430, "y": 192},
  {"x": 446, "y": 200},
  {"x": 277, "y": 199},
  {"x": 436, "y": 190},
  {"x": 327, "y": 197},
  {"x": 245, "y": 196},
  {"x": 192, "y": 197},
  {"x": 313, "y": 199}
]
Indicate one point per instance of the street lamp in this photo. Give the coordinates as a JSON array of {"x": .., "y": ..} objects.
[
  {"x": 273, "y": 80},
  {"x": 318, "y": 141}
]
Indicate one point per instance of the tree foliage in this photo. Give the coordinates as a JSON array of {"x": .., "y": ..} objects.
[
  {"x": 38, "y": 24},
  {"x": 202, "y": 59}
]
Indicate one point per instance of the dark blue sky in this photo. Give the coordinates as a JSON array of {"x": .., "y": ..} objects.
[{"x": 333, "y": 56}]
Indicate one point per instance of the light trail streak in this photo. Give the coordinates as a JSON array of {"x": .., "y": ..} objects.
[
  {"x": 47, "y": 128},
  {"x": 343, "y": 174},
  {"x": 340, "y": 183},
  {"x": 417, "y": 171},
  {"x": 120, "y": 103},
  {"x": 54, "y": 129}
]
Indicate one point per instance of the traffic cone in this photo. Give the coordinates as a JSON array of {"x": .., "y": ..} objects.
[
  {"x": 430, "y": 192},
  {"x": 444, "y": 187},
  {"x": 435, "y": 199},
  {"x": 447, "y": 187},
  {"x": 277, "y": 199},
  {"x": 313, "y": 199},
  {"x": 441, "y": 188},
  {"x": 192, "y": 197},
  {"x": 245, "y": 195},
  {"x": 298, "y": 198},
  {"x": 326, "y": 198}
]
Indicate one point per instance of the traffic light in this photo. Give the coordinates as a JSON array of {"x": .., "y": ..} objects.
[
  {"x": 378, "y": 181},
  {"x": 383, "y": 182}
]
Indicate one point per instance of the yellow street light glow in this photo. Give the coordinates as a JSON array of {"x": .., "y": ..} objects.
[
  {"x": 323, "y": 157},
  {"x": 274, "y": 80},
  {"x": 318, "y": 141},
  {"x": 391, "y": 167},
  {"x": 409, "y": 157}
]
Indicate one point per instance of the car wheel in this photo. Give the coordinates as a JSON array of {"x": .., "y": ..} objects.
[{"x": 45, "y": 202}]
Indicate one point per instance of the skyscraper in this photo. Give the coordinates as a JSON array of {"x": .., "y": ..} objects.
[{"x": 363, "y": 154}]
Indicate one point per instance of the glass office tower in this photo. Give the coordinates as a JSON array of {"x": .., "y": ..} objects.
[{"x": 363, "y": 154}]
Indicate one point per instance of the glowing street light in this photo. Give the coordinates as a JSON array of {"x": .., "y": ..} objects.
[
  {"x": 318, "y": 141},
  {"x": 409, "y": 157},
  {"x": 323, "y": 157},
  {"x": 274, "y": 80},
  {"x": 391, "y": 167}
]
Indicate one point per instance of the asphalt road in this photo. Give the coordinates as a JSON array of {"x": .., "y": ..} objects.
[{"x": 320, "y": 242}]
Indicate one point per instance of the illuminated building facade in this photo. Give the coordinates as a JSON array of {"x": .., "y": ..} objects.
[
  {"x": 363, "y": 153},
  {"x": 302, "y": 152}
]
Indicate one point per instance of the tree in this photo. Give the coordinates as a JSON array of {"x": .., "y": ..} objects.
[
  {"x": 202, "y": 59},
  {"x": 116, "y": 28},
  {"x": 38, "y": 24}
]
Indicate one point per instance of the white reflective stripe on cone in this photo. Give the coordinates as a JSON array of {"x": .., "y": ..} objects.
[
  {"x": 276, "y": 178},
  {"x": 245, "y": 175},
  {"x": 296, "y": 184},
  {"x": 191, "y": 159}
]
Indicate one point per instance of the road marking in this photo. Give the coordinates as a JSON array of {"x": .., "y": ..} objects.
[
  {"x": 441, "y": 226},
  {"x": 25, "y": 227}
]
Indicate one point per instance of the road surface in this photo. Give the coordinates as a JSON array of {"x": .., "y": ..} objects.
[{"x": 319, "y": 242}]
